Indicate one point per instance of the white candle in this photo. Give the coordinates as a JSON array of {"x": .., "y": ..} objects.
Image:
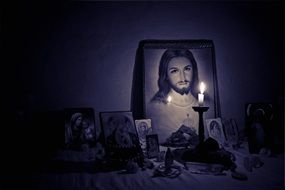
[
  {"x": 201, "y": 94},
  {"x": 201, "y": 99}
]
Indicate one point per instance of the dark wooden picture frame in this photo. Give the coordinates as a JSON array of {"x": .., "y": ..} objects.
[
  {"x": 120, "y": 136},
  {"x": 148, "y": 61},
  {"x": 79, "y": 128}
]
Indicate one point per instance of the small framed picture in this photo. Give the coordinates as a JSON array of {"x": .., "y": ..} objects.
[
  {"x": 152, "y": 145},
  {"x": 231, "y": 131},
  {"x": 120, "y": 136},
  {"x": 143, "y": 128},
  {"x": 79, "y": 128},
  {"x": 158, "y": 88},
  {"x": 215, "y": 130}
]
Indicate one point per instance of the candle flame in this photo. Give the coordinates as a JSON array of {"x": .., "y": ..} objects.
[{"x": 202, "y": 87}]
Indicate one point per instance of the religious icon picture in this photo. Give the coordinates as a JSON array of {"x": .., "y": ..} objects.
[
  {"x": 120, "y": 136},
  {"x": 152, "y": 146},
  {"x": 79, "y": 128},
  {"x": 215, "y": 130},
  {"x": 172, "y": 73},
  {"x": 144, "y": 128}
]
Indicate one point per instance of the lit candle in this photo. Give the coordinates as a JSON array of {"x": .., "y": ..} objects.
[{"x": 201, "y": 94}]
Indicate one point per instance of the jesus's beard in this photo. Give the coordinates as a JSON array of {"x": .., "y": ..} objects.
[{"x": 182, "y": 91}]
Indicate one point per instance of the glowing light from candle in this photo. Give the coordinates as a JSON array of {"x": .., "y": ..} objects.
[
  {"x": 202, "y": 87},
  {"x": 169, "y": 98}
]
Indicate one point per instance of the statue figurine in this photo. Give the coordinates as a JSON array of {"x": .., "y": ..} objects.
[
  {"x": 168, "y": 161},
  {"x": 169, "y": 169}
]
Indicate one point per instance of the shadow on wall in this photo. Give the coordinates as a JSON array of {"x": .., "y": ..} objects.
[{"x": 32, "y": 138}]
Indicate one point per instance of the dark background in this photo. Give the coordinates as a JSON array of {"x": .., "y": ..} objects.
[{"x": 82, "y": 54}]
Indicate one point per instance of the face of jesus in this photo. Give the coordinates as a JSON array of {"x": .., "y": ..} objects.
[{"x": 180, "y": 72}]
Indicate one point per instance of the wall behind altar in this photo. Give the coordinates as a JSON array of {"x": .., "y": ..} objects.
[{"x": 82, "y": 54}]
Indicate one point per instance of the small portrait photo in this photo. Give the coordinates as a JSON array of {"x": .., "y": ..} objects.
[
  {"x": 215, "y": 130},
  {"x": 152, "y": 146},
  {"x": 143, "y": 128},
  {"x": 120, "y": 135},
  {"x": 79, "y": 128}
]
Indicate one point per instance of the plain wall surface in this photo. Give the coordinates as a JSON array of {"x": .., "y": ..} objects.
[{"x": 83, "y": 54}]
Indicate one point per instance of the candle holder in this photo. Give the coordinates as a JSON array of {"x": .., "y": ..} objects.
[{"x": 201, "y": 110}]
